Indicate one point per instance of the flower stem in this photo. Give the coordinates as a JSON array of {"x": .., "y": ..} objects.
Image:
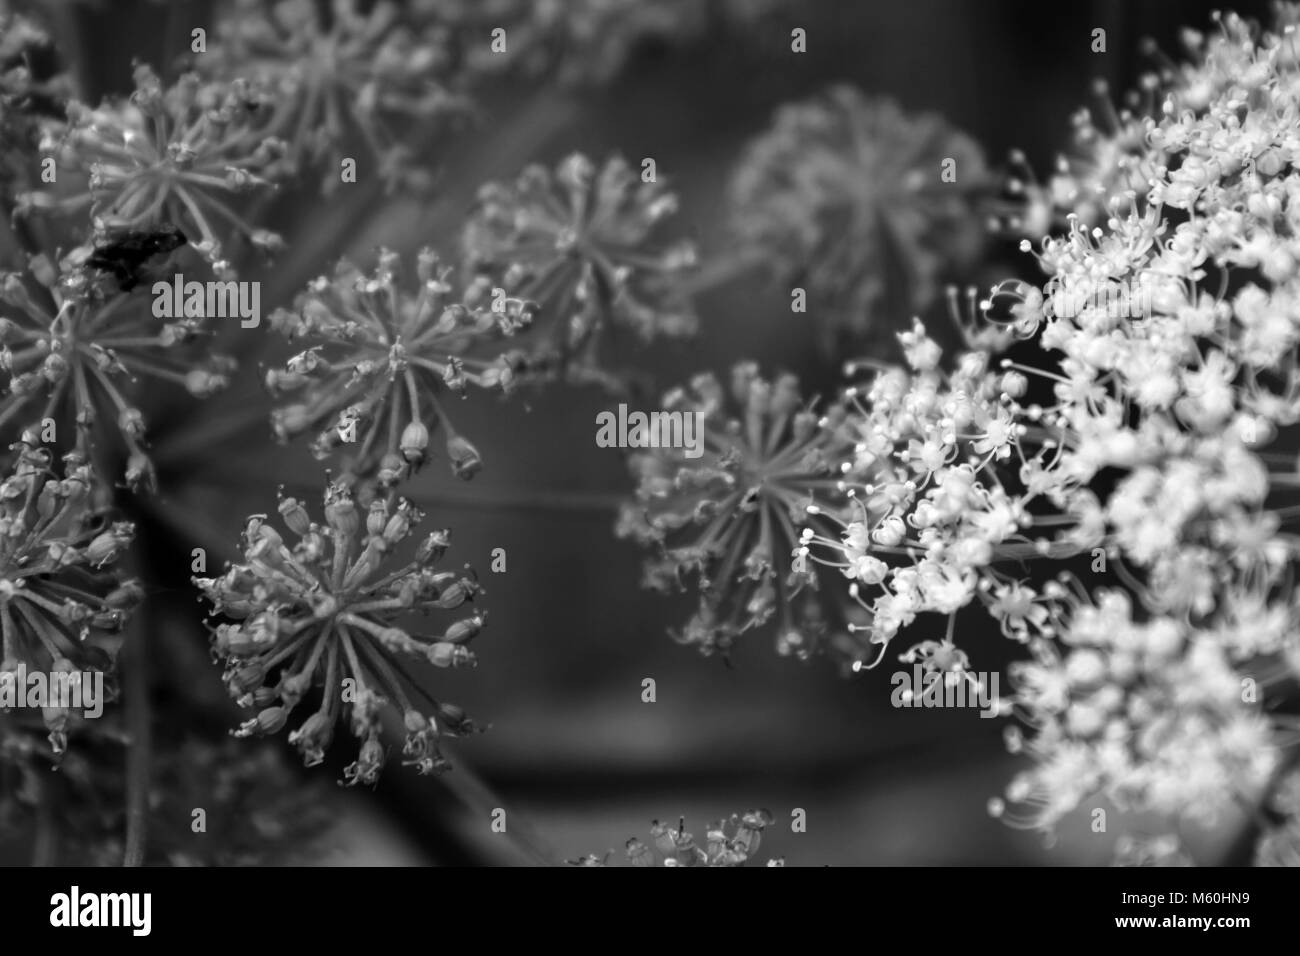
[
  {"x": 45, "y": 848},
  {"x": 138, "y": 713},
  {"x": 562, "y": 501}
]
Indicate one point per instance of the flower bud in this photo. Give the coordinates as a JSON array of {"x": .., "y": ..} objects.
[
  {"x": 465, "y": 459},
  {"x": 291, "y": 420},
  {"x": 293, "y": 687},
  {"x": 457, "y": 593},
  {"x": 54, "y": 368},
  {"x": 246, "y": 678},
  {"x": 1015, "y": 384},
  {"x": 139, "y": 471},
  {"x": 397, "y": 640},
  {"x": 454, "y": 719},
  {"x": 47, "y": 501},
  {"x": 131, "y": 422},
  {"x": 126, "y": 595},
  {"x": 415, "y": 439},
  {"x": 376, "y": 517},
  {"x": 264, "y": 697},
  {"x": 415, "y": 722},
  {"x": 295, "y": 516},
  {"x": 268, "y": 721},
  {"x": 464, "y": 630},
  {"x": 341, "y": 515},
  {"x": 107, "y": 545},
  {"x": 392, "y": 469},
  {"x": 399, "y": 525},
  {"x": 442, "y": 654},
  {"x": 313, "y": 738},
  {"x": 56, "y": 721}
]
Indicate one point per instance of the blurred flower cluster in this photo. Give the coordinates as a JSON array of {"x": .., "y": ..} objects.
[
  {"x": 582, "y": 246},
  {"x": 339, "y": 77},
  {"x": 581, "y": 43},
  {"x": 254, "y": 812},
  {"x": 727, "y": 522},
  {"x": 845, "y": 197}
]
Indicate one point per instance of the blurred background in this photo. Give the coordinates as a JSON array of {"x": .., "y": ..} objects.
[{"x": 573, "y": 755}]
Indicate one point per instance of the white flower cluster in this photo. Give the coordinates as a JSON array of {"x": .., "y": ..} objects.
[
  {"x": 929, "y": 510},
  {"x": 1170, "y": 412},
  {"x": 1139, "y": 437}
]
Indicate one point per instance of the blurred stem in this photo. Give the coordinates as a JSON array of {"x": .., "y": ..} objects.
[
  {"x": 721, "y": 268},
  {"x": 1242, "y": 850},
  {"x": 65, "y": 30},
  {"x": 474, "y": 792},
  {"x": 211, "y": 430},
  {"x": 138, "y": 713},
  {"x": 562, "y": 501},
  {"x": 47, "y": 834}
]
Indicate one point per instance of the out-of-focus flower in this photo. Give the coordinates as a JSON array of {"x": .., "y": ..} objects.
[
  {"x": 584, "y": 42},
  {"x": 72, "y": 356},
  {"x": 844, "y": 196},
  {"x": 257, "y": 809},
  {"x": 583, "y": 244},
  {"x": 1279, "y": 845},
  {"x": 339, "y": 80},
  {"x": 727, "y": 521},
  {"x": 1149, "y": 714},
  {"x": 325, "y": 612},
  {"x": 730, "y": 842},
  {"x": 381, "y": 358},
  {"x": 31, "y": 90},
  {"x": 188, "y": 154},
  {"x": 58, "y": 591}
]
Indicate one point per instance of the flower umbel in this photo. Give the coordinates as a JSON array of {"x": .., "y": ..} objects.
[
  {"x": 57, "y": 589},
  {"x": 324, "y": 612},
  {"x": 583, "y": 244},
  {"x": 728, "y": 520},
  {"x": 72, "y": 357},
  {"x": 188, "y": 154},
  {"x": 844, "y": 196},
  {"x": 381, "y": 360},
  {"x": 337, "y": 78}
]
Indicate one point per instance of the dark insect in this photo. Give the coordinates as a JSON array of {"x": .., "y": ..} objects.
[{"x": 126, "y": 255}]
